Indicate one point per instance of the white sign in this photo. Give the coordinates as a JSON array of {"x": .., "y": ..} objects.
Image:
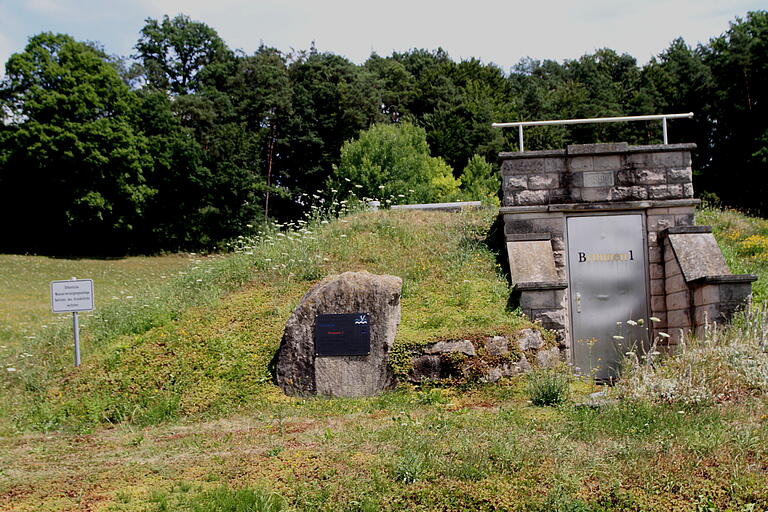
[{"x": 72, "y": 296}]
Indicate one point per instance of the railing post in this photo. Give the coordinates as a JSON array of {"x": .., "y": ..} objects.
[
  {"x": 520, "y": 138},
  {"x": 664, "y": 128}
]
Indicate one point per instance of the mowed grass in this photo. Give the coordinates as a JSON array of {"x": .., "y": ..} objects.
[
  {"x": 176, "y": 411},
  {"x": 25, "y": 302},
  {"x": 476, "y": 449}
]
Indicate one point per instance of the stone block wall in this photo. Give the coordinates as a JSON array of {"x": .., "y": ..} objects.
[
  {"x": 699, "y": 290},
  {"x": 676, "y": 299},
  {"x": 717, "y": 298},
  {"x": 687, "y": 277},
  {"x": 597, "y": 173}
]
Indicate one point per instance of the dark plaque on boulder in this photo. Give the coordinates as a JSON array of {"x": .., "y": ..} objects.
[{"x": 342, "y": 335}]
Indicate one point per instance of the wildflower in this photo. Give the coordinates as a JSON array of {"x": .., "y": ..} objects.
[
  {"x": 655, "y": 319},
  {"x": 631, "y": 322},
  {"x": 249, "y": 225},
  {"x": 640, "y": 322},
  {"x": 664, "y": 335},
  {"x": 199, "y": 280},
  {"x": 618, "y": 338},
  {"x": 381, "y": 187},
  {"x": 343, "y": 236},
  {"x": 400, "y": 195},
  {"x": 323, "y": 222},
  {"x": 11, "y": 369}
]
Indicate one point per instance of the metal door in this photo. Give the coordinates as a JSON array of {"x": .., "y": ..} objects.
[{"x": 607, "y": 287}]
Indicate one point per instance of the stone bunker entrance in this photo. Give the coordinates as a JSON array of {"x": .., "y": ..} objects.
[{"x": 601, "y": 234}]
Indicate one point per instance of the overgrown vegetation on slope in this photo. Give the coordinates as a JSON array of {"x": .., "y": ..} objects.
[
  {"x": 182, "y": 351},
  {"x": 744, "y": 242},
  {"x": 430, "y": 449}
]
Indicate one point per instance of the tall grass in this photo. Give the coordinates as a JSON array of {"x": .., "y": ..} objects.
[
  {"x": 743, "y": 240},
  {"x": 727, "y": 363}
]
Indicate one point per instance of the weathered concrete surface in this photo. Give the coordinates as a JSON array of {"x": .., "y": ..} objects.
[
  {"x": 698, "y": 255},
  {"x": 300, "y": 372},
  {"x": 531, "y": 261}
]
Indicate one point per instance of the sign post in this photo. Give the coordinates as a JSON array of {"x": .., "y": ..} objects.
[{"x": 72, "y": 296}]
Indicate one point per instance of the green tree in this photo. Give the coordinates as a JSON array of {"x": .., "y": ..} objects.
[
  {"x": 176, "y": 52},
  {"x": 332, "y": 100},
  {"x": 71, "y": 162},
  {"x": 392, "y": 162},
  {"x": 261, "y": 92},
  {"x": 480, "y": 181},
  {"x": 738, "y": 61}
]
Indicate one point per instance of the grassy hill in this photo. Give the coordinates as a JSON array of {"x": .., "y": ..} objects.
[
  {"x": 173, "y": 408},
  {"x": 182, "y": 350}
]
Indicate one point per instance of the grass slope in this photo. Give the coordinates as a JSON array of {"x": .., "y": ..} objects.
[
  {"x": 203, "y": 429},
  {"x": 152, "y": 362},
  {"x": 744, "y": 242}
]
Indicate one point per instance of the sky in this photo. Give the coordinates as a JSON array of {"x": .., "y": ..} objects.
[{"x": 494, "y": 31}]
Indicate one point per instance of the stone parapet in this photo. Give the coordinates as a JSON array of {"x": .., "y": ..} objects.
[
  {"x": 699, "y": 290},
  {"x": 597, "y": 173}
]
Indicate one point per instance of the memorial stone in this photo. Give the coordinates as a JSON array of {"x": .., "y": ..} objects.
[{"x": 338, "y": 339}]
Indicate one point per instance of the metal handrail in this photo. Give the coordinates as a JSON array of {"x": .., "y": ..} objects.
[{"x": 653, "y": 117}]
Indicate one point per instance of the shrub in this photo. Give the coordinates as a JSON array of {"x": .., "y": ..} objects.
[
  {"x": 480, "y": 181},
  {"x": 393, "y": 161}
]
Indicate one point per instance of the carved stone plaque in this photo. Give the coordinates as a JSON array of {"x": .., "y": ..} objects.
[{"x": 598, "y": 179}]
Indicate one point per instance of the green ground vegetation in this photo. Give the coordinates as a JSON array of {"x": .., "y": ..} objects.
[
  {"x": 26, "y": 306},
  {"x": 744, "y": 242},
  {"x": 174, "y": 409},
  {"x": 180, "y": 351}
]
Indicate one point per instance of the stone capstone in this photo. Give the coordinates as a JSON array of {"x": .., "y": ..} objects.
[{"x": 300, "y": 372}]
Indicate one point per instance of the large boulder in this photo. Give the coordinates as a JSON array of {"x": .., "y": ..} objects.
[{"x": 300, "y": 371}]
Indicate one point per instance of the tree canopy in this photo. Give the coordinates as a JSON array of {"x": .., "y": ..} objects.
[
  {"x": 193, "y": 143},
  {"x": 392, "y": 162}
]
